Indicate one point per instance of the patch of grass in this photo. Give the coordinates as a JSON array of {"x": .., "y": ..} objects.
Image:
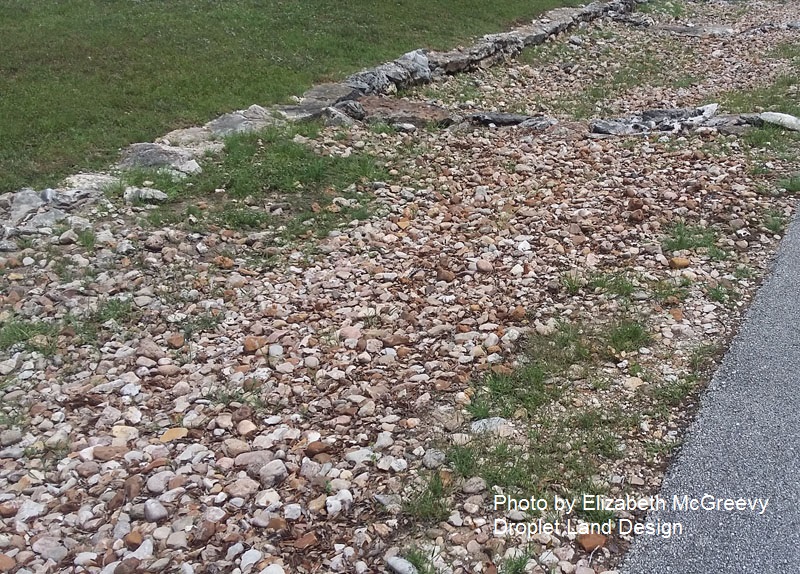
[
  {"x": 32, "y": 335},
  {"x": 743, "y": 272},
  {"x": 86, "y": 239},
  {"x": 615, "y": 283},
  {"x": 428, "y": 503},
  {"x": 270, "y": 179},
  {"x": 515, "y": 564},
  {"x": 790, "y": 184},
  {"x": 201, "y": 323},
  {"x": 627, "y": 335},
  {"x": 672, "y": 394},
  {"x": 421, "y": 560},
  {"x": 672, "y": 8},
  {"x": 118, "y": 310},
  {"x": 682, "y": 236},
  {"x": 723, "y": 294},
  {"x": 572, "y": 283},
  {"x": 775, "y": 221},
  {"x": 107, "y": 50},
  {"x": 532, "y": 384},
  {"x": 702, "y": 356},
  {"x": 670, "y": 291}
]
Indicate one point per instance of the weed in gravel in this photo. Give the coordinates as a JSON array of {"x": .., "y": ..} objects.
[
  {"x": 775, "y": 221},
  {"x": 682, "y": 236},
  {"x": 572, "y": 283},
  {"x": 670, "y": 291},
  {"x": 702, "y": 357},
  {"x": 790, "y": 184},
  {"x": 429, "y": 503},
  {"x": 627, "y": 335},
  {"x": 723, "y": 294},
  {"x": 515, "y": 564},
  {"x": 671, "y": 394},
  {"x": 744, "y": 272},
  {"x": 32, "y": 335},
  {"x": 421, "y": 560},
  {"x": 619, "y": 284},
  {"x": 201, "y": 323}
]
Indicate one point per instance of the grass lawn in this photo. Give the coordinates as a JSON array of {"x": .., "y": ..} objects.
[{"x": 80, "y": 79}]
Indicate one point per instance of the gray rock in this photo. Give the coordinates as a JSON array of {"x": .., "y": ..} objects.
[
  {"x": 474, "y": 485},
  {"x": 783, "y": 120},
  {"x": 49, "y": 548},
  {"x": 158, "y": 482},
  {"x": 352, "y": 108},
  {"x": 490, "y": 425},
  {"x": 29, "y": 510},
  {"x": 252, "y": 119},
  {"x": 10, "y": 436},
  {"x": 538, "y": 123},
  {"x": 153, "y": 155},
  {"x": 433, "y": 458},
  {"x": 144, "y": 194},
  {"x": 154, "y": 511},
  {"x": 400, "y": 565},
  {"x": 498, "y": 118},
  {"x": 334, "y": 117},
  {"x": 24, "y": 202},
  {"x": 273, "y": 473}
]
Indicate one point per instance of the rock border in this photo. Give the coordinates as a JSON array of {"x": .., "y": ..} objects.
[{"x": 179, "y": 150}]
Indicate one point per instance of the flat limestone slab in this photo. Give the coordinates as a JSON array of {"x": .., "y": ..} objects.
[{"x": 745, "y": 444}]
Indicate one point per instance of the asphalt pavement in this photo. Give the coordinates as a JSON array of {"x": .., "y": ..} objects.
[{"x": 743, "y": 445}]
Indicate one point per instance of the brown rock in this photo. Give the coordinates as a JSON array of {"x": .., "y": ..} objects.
[
  {"x": 305, "y": 541},
  {"x": 128, "y": 566},
  {"x": 242, "y": 413},
  {"x": 204, "y": 533},
  {"x": 174, "y": 434},
  {"x": 484, "y": 266},
  {"x": 106, "y": 453},
  {"x": 591, "y": 541},
  {"x": 315, "y": 448},
  {"x": 223, "y": 262},
  {"x": 133, "y": 486},
  {"x": 116, "y": 501},
  {"x": 677, "y": 313},
  {"x": 7, "y": 563},
  {"x": 679, "y": 263},
  {"x": 445, "y": 275},
  {"x": 176, "y": 341},
  {"x": 518, "y": 313},
  {"x": 395, "y": 110},
  {"x": 253, "y": 344},
  {"x": 8, "y": 509},
  {"x": 132, "y": 539},
  {"x": 276, "y": 524}
]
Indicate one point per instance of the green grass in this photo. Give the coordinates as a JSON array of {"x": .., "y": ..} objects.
[
  {"x": 81, "y": 79},
  {"x": 627, "y": 335},
  {"x": 428, "y": 503},
  {"x": 618, "y": 284},
  {"x": 515, "y": 564},
  {"x": 775, "y": 221},
  {"x": 673, "y": 8},
  {"x": 421, "y": 560},
  {"x": 682, "y": 236},
  {"x": 33, "y": 335},
  {"x": 790, "y": 184},
  {"x": 266, "y": 169}
]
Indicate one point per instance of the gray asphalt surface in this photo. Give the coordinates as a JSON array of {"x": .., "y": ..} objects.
[{"x": 744, "y": 443}]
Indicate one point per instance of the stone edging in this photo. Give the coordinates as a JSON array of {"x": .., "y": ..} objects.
[{"x": 179, "y": 150}]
